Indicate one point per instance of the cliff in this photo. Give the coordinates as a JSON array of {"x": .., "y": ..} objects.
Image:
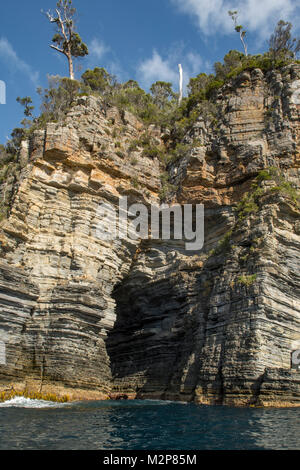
[{"x": 96, "y": 318}]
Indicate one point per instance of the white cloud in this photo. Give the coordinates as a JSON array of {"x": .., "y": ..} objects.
[
  {"x": 156, "y": 68},
  {"x": 260, "y": 16},
  {"x": 115, "y": 68},
  {"x": 98, "y": 49},
  {"x": 15, "y": 63},
  {"x": 165, "y": 69},
  {"x": 99, "y": 57},
  {"x": 194, "y": 63}
]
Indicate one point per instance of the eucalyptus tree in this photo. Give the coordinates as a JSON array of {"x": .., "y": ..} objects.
[
  {"x": 66, "y": 40},
  {"x": 239, "y": 29},
  {"x": 281, "y": 44}
]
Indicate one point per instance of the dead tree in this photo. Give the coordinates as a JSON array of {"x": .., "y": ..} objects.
[{"x": 180, "y": 84}]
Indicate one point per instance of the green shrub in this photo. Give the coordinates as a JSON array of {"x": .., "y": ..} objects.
[
  {"x": 223, "y": 245},
  {"x": 3, "y": 211},
  {"x": 282, "y": 186},
  {"x": 251, "y": 202},
  {"x": 135, "y": 182},
  {"x": 247, "y": 280},
  {"x": 166, "y": 186},
  {"x": 133, "y": 146},
  {"x": 263, "y": 176},
  {"x": 151, "y": 151},
  {"x": 248, "y": 204},
  {"x": 288, "y": 190}
]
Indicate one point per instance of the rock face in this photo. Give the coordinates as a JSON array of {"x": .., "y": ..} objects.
[
  {"x": 148, "y": 318},
  {"x": 58, "y": 276}
]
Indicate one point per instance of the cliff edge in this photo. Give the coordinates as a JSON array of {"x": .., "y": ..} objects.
[{"x": 97, "y": 318}]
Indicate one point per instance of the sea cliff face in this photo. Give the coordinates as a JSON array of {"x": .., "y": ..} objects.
[{"x": 97, "y": 318}]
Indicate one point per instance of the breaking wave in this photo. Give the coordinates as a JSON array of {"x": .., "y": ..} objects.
[{"x": 21, "y": 402}]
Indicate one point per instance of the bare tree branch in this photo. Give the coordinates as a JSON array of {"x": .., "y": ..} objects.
[
  {"x": 57, "y": 49},
  {"x": 62, "y": 25},
  {"x": 50, "y": 17}
]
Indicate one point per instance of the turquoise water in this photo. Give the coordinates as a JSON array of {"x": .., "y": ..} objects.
[{"x": 144, "y": 425}]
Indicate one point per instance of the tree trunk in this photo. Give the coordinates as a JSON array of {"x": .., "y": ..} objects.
[
  {"x": 71, "y": 68},
  {"x": 245, "y": 46},
  {"x": 180, "y": 84}
]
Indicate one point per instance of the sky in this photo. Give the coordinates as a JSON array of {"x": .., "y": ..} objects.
[{"x": 144, "y": 40}]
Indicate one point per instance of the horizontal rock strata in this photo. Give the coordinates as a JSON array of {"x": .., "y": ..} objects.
[{"x": 98, "y": 318}]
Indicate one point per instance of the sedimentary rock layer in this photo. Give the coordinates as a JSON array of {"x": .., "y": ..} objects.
[{"x": 147, "y": 318}]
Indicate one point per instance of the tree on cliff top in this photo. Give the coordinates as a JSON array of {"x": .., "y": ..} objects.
[
  {"x": 26, "y": 102},
  {"x": 162, "y": 93},
  {"x": 66, "y": 40},
  {"x": 282, "y": 45},
  {"x": 58, "y": 98},
  {"x": 239, "y": 29},
  {"x": 99, "y": 80}
]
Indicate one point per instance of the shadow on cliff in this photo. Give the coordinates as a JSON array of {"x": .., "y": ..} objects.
[{"x": 162, "y": 306}]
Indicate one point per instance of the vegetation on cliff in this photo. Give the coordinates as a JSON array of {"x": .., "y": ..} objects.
[
  {"x": 252, "y": 200},
  {"x": 160, "y": 106}
]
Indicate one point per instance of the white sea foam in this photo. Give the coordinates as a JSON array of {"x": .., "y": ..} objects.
[
  {"x": 165, "y": 402},
  {"x": 21, "y": 402}
]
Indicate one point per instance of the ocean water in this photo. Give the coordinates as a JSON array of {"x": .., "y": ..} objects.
[{"x": 144, "y": 425}]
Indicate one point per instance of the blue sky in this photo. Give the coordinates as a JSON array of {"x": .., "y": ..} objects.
[{"x": 139, "y": 39}]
